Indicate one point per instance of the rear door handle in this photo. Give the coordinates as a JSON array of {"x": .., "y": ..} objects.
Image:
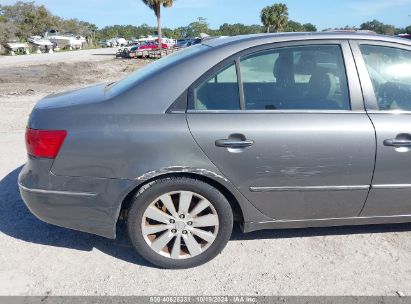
[
  {"x": 398, "y": 143},
  {"x": 402, "y": 140},
  {"x": 230, "y": 143}
]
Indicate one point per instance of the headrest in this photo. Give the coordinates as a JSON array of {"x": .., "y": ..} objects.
[
  {"x": 322, "y": 85},
  {"x": 284, "y": 69}
]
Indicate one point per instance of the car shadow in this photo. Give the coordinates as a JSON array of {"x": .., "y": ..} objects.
[
  {"x": 16, "y": 221},
  {"x": 320, "y": 231}
]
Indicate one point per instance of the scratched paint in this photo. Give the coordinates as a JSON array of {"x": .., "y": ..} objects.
[{"x": 180, "y": 169}]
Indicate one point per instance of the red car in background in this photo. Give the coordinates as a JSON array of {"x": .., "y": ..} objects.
[
  {"x": 152, "y": 46},
  {"x": 405, "y": 36}
]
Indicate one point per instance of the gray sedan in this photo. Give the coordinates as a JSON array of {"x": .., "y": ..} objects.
[{"x": 271, "y": 131}]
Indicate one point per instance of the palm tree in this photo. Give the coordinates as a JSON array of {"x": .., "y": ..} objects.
[
  {"x": 280, "y": 12},
  {"x": 275, "y": 16},
  {"x": 266, "y": 17},
  {"x": 155, "y": 5}
]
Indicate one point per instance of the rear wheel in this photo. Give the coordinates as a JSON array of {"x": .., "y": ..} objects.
[{"x": 179, "y": 222}]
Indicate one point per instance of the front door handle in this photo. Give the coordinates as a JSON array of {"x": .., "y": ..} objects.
[
  {"x": 402, "y": 140},
  {"x": 236, "y": 144}
]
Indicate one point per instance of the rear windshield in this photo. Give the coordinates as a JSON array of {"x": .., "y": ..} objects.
[{"x": 153, "y": 68}]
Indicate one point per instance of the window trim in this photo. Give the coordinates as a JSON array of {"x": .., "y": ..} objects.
[
  {"x": 276, "y": 111},
  {"x": 240, "y": 83},
  {"x": 354, "y": 88},
  {"x": 208, "y": 75},
  {"x": 370, "y": 99}
]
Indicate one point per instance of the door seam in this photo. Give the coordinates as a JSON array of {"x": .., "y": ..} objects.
[
  {"x": 373, "y": 126},
  {"x": 375, "y": 165}
]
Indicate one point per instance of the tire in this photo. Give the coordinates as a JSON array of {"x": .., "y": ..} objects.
[{"x": 218, "y": 214}]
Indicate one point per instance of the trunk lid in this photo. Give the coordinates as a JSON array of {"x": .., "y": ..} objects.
[{"x": 59, "y": 111}]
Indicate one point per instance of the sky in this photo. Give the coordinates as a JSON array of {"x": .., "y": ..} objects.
[{"x": 324, "y": 14}]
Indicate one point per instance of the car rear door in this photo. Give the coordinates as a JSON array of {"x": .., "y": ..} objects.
[
  {"x": 288, "y": 128},
  {"x": 385, "y": 72}
]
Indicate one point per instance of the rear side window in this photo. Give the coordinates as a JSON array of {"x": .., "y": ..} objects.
[
  {"x": 296, "y": 78},
  {"x": 390, "y": 72},
  {"x": 151, "y": 69},
  {"x": 220, "y": 92}
]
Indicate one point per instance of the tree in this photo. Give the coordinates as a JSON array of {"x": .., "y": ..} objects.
[
  {"x": 28, "y": 18},
  {"x": 408, "y": 29},
  {"x": 128, "y": 32},
  {"x": 198, "y": 27},
  {"x": 275, "y": 16},
  {"x": 309, "y": 27},
  {"x": 378, "y": 27},
  {"x": 7, "y": 32},
  {"x": 293, "y": 26},
  {"x": 267, "y": 18},
  {"x": 280, "y": 16},
  {"x": 194, "y": 29},
  {"x": 155, "y": 5},
  {"x": 24, "y": 19},
  {"x": 239, "y": 29},
  {"x": 90, "y": 29}
]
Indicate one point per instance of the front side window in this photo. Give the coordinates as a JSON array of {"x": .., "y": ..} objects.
[
  {"x": 390, "y": 72},
  {"x": 296, "y": 78},
  {"x": 220, "y": 92}
]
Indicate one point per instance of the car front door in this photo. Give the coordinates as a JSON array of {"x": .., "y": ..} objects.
[
  {"x": 288, "y": 128},
  {"x": 385, "y": 71}
]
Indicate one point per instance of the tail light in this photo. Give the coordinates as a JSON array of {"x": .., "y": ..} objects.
[{"x": 44, "y": 143}]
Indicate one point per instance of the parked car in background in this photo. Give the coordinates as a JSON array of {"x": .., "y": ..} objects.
[
  {"x": 405, "y": 36},
  {"x": 272, "y": 131},
  {"x": 114, "y": 42},
  {"x": 139, "y": 49},
  {"x": 134, "y": 48},
  {"x": 183, "y": 43},
  {"x": 105, "y": 43},
  {"x": 154, "y": 39},
  {"x": 151, "y": 46}
]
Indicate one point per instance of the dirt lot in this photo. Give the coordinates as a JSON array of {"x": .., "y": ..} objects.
[
  {"x": 40, "y": 259},
  {"x": 23, "y": 82}
]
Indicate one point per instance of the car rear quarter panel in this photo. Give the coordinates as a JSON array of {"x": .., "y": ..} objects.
[{"x": 127, "y": 146}]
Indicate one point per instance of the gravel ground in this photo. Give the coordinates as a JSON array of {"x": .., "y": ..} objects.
[
  {"x": 35, "y": 59},
  {"x": 41, "y": 259}
]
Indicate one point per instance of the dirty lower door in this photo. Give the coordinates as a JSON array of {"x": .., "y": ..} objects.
[{"x": 306, "y": 157}]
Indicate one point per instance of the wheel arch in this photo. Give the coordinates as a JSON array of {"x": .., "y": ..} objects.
[{"x": 236, "y": 206}]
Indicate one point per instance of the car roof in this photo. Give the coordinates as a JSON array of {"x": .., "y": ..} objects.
[{"x": 256, "y": 39}]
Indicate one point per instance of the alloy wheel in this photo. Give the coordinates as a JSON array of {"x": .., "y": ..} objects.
[{"x": 180, "y": 225}]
